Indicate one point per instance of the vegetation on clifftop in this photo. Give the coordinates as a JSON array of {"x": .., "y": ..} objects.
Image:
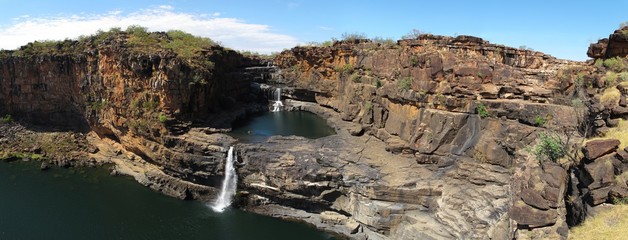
[{"x": 135, "y": 39}]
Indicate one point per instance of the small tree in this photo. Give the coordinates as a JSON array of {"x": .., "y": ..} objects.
[
  {"x": 550, "y": 147},
  {"x": 413, "y": 34},
  {"x": 353, "y": 36},
  {"x": 482, "y": 111}
]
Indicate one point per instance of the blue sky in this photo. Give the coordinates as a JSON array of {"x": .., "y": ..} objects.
[{"x": 560, "y": 29}]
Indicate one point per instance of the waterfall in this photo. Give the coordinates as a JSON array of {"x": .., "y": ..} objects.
[
  {"x": 278, "y": 104},
  {"x": 228, "y": 184}
]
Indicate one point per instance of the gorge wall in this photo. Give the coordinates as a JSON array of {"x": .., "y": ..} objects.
[
  {"x": 435, "y": 134},
  {"x": 459, "y": 118},
  {"x": 145, "y": 101}
]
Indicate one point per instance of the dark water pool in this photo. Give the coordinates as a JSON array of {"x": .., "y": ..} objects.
[
  {"x": 91, "y": 204},
  {"x": 284, "y": 123}
]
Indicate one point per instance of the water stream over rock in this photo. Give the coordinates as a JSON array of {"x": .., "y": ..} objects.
[{"x": 229, "y": 184}]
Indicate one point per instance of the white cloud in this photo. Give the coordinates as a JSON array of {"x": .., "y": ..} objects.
[
  {"x": 231, "y": 32},
  {"x": 325, "y": 28}
]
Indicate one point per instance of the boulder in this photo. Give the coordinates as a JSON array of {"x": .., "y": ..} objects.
[
  {"x": 600, "y": 176},
  {"x": 531, "y": 217},
  {"x": 618, "y": 192},
  {"x": 622, "y": 155},
  {"x": 534, "y": 199},
  {"x": 598, "y": 196},
  {"x": 597, "y": 148},
  {"x": 600, "y": 173}
]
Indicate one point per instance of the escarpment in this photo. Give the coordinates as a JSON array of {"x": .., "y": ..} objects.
[
  {"x": 437, "y": 137},
  {"x": 465, "y": 116},
  {"x": 146, "y": 100}
]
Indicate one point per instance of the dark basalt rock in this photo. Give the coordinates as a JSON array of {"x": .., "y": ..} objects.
[{"x": 596, "y": 148}]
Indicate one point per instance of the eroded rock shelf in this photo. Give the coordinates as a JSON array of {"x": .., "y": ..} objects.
[{"x": 432, "y": 140}]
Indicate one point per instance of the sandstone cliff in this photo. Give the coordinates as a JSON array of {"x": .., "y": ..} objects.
[
  {"x": 435, "y": 134},
  {"x": 466, "y": 112},
  {"x": 145, "y": 99},
  {"x": 616, "y": 45}
]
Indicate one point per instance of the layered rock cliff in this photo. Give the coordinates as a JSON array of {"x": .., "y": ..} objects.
[
  {"x": 616, "y": 45},
  {"x": 146, "y": 100},
  {"x": 458, "y": 117},
  {"x": 436, "y": 135}
]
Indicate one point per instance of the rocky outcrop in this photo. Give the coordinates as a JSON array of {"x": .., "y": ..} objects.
[
  {"x": 603, "y": 167},
  {"x": 158, "y": 105},
  {"x": 434, "y": 133},
  {"x": 616, "y": 45},
  {"x": 456, "y": 113},
  {"x": 373, "y": 193}
]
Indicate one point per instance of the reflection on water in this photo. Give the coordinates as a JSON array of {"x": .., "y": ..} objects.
[
  {"x": 285, "y": 123},
  {"x": 91, "y": 204}
]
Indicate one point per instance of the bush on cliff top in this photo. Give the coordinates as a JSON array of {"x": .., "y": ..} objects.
[{"x": 138, "y": 39}]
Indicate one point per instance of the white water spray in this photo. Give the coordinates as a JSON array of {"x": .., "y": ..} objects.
[
  {"x": 229, "y": 184},
  {"x": 278, "y": 104}
]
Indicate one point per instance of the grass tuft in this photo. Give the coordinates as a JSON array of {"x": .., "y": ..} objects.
[
  {"x": 610, "y": 224},
  {"x": 620, "y": 132},
  {"x": 610, "y": 97}
]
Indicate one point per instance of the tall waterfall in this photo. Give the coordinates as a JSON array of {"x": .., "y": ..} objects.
[
  {"x": 278, "y": 104},
  {"x": 228, "y": 184}
]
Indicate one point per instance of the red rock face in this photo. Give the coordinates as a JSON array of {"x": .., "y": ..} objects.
[
  {"x": 43, "y": 89},
  {"x": 616, "y": 45},
  {"x": 137, "y": 99},
  {"x": 413, "y": 87},
  {"x": 46, "y": 88}
]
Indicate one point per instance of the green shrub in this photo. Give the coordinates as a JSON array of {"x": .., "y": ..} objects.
[
  {"x": 620, "y": 201},
  {"x": 539, "y": 121},
  {"x": 415, "y": 61},
  {"x": 6, "y": 119},
  {"x": 346, "y": 69},
  {"x": 327, "y": 43},
  {"x": 188, "y": 45},
  {"x": 599, "y": 63},
  {"x": 413, "y": 34},
  {"x": 610, "y": 97},
  {"x": 623, "y": 76},
  {"x": 615, "y": 64},
  {"x": 141, "y": 40},
  {"x": 368, "y": 106},
  {"x": 163, "y": 118},
  {"x": 384, "y": 41},
  {"x": 99, "y": 105},
  {"x": 353, "y": 36},
  {"x": 548, "y": 148},
  {"x": 482, "y": 111},
  {"x": 378, "y": 83},
  {"x": 579, "y": 80},
  {"x": 610, "y": 78},
  {"x": 150, "y": 105},
  {"x": 356, "y": 78},
  {"x": 405, "y": 83}
]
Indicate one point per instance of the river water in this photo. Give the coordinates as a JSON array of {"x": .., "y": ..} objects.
[
  {"x": 88, "y": 203},
  {"x": 285, "y": 123}
]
